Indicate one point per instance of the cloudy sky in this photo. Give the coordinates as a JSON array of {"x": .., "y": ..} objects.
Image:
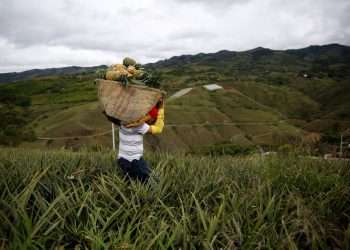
[{"x": 53, "y": 33}]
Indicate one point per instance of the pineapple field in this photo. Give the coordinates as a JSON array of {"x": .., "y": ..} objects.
[{"x": 79, "y": 200}]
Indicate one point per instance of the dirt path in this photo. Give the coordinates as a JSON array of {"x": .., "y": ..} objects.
[{"x": 180, "y": 93}]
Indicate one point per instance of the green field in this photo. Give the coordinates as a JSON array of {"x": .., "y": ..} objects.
[
  {"x": 266, "y": 102},
  {"x": 65, "y": 200},
  {"x": 210, "y": 118}
]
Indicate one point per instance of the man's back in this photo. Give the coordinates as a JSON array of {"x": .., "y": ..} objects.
[{"x": 131, "y": 142}]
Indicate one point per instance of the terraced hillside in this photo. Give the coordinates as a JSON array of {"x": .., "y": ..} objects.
[
  {"x": 196, "y": 119},
  {"x": 269, "y": 98}
]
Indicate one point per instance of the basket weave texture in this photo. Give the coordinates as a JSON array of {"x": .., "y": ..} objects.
[{"x": 126, "y": 103}]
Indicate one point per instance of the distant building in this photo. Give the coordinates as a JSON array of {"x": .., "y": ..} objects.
[
  {"x": 304, "y": 74},
  {"x": 212, "y": 87}
]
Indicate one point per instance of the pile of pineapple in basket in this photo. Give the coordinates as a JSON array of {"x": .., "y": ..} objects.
[{"x": 129, "y": 72}]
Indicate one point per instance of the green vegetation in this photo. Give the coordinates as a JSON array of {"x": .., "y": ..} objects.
[
  {"x": 25, "y": 104},
  {"x": 14, "y": 113},
  {"x": 66, "y": 200},
  {"x": 55, "y": 90},
  {"x": 226, "y": 148},
  {"x": 269, "y": 98},
  {"x": 204, "y": 198}
]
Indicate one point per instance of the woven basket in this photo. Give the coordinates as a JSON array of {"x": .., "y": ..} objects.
[{"x": 129, "y": 103}]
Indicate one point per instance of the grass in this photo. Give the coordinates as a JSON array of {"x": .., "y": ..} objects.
[
  {"x": 65, "y": 200},
  {"x": 215, "y": 109},
  {"x": 259, "y": 85},
  {"x": 287, "y": 100},
  {"x": 80, "y": 117},
  {"x": 67, "y": 106}
]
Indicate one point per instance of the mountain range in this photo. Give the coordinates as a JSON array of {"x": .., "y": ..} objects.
[
  {"x": 269, "y": 98},
  {"x": 29, "y": 74}
]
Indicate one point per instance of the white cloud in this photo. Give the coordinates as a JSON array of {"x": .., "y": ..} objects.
[{"x": 50, "y": 33}]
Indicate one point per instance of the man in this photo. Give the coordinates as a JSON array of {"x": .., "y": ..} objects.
[{"x": 130, "y": 155}]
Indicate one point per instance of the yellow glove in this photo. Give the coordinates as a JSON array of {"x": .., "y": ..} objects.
[{"x": 158, "y": 126}]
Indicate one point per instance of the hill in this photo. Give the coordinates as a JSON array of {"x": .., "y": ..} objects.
[
  {"x": 269, "y": 98},
  {"x": 29, "y": 74},
  {"x": 317, "y": 76}
]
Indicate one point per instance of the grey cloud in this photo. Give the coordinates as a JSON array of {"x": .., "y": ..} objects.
[
  {"x": 195, "y": 34},
  {"x": 326, "y": 22},
  {"x": 45, "y": 33},
  {"x": 222, "y": 3},
  {"x": 26, "y": 25}
]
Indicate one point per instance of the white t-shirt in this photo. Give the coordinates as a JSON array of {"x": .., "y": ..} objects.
[{"x": 131, "y": 142}]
